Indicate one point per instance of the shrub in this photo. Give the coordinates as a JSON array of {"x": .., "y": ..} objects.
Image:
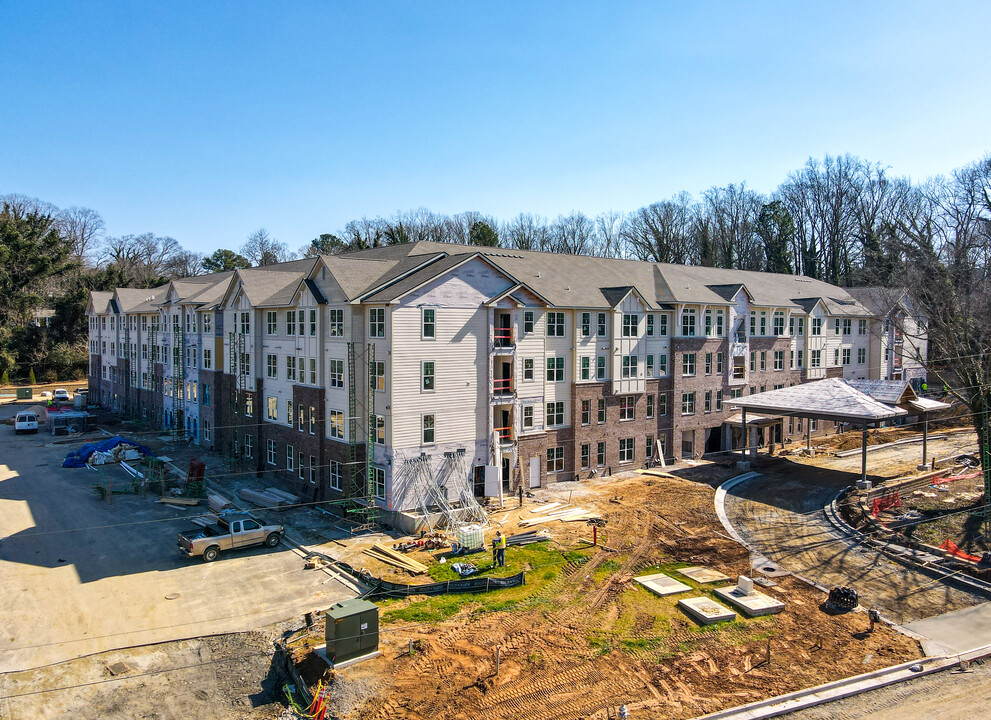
[
  {"x": 5, "y": 378},
  {"x": 31, "y": 378}
]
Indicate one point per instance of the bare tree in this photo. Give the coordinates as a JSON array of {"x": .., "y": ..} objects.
[
  {"x": 732, "y": 214},
  {"x": 526, "y": 232},
  {"x": 573, "y": 234},
  {"x": 662, "y": 232},
  {"x": 84, "y": 227},
  {"x": 262, "y": 249},
  {"x": 608, "y": 239}
]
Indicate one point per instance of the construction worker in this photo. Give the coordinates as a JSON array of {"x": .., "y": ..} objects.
[
  {"x": 499, "y": 550},
  {"x": 875, "y": 617},
  {"x": 520, "y": 491}
]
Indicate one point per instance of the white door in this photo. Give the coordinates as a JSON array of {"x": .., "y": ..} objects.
[
  {"x": 493, "y": 483},
  {"x": 534, "y": 472}
]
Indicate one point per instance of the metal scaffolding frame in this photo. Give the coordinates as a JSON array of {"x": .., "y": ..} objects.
[
  {"x": 178, "y": 379},
  {"x": 361, "y": 431},
  {"x": 235, "y": 443},
  {"x": 153, "y": 357}
]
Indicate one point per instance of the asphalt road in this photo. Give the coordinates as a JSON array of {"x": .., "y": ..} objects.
[
  {"x": 79, "y": 575},
  {"x": 780, "y": 513}
]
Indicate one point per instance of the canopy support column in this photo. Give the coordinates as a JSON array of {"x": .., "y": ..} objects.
[
  {"x": 863, "y": 454},
  {"x": 743, "y": 437},
  {"x": 925, "y": 440}
]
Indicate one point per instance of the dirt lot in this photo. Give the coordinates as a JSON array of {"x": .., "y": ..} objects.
[{"x": 581, "y": 638}]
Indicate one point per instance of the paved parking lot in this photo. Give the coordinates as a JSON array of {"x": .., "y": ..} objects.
[{"x": 80, "y": 575}]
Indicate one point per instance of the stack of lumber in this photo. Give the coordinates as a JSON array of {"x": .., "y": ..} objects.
[
  {"x": 179, "y": 501},
  {"x": 288, "y": 497},
  {"x": 396, "y": 559},
  {"x": 218, "y": 503},
  {"x": 263, "y": 498},
  {"x": 564, "y": 514},
  {"x": 526, "y": 538}
]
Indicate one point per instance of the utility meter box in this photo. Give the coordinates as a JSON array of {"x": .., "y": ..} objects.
[
  {"x": 25, "y": 393},
  {"x": 352, "y": 630}
]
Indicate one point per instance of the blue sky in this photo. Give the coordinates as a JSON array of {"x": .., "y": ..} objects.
[{"x": 207, "y": 120}]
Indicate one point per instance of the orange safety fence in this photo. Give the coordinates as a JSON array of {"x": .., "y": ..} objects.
[
  {"x": 885, "y": 502},
  {"x": 951, "y": 547},
  {"x": 951, "y": 478}
]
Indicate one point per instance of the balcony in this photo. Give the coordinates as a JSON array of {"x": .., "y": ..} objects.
[
  {"x": 505, "y": 434},
  {"x": 503, "y": 341},
  {"x": 502, "y": 386}
]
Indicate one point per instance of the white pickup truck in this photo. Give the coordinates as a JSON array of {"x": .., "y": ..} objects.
[{"x": 232, "y": 531}]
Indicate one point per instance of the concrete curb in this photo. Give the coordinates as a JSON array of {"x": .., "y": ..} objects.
[
  {"x": 900, "y": 553},
  {"x": 720, "y": 503},
  {"x": 828, "y": 692}
]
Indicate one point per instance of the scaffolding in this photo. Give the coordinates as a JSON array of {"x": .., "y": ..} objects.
[
  {"x": 235, "y": 355},
  {"x": 127, "y": 365},
  {"x": 178, "y": 381},
  {"x": 447, "y": 499},
  {"x": 152, "y": 359},
  {"x": 361, "y": 432},
  {"x": 457, "y": 475}
]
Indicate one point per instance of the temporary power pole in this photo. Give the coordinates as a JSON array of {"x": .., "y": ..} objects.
[{"x": 986, "y": 467}]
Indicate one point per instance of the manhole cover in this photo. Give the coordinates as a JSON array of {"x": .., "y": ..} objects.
[{"x": 173, "y": 596}]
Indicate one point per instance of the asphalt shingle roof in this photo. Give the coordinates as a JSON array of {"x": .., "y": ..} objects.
[{"x": 832, "y": 398}]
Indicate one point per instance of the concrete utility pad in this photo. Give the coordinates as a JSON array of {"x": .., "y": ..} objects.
[
  {"x": 661, "y": 584},
  {"x": 956, "y": 631},
  {"x": 705, "y": 611},
  {"x": 702, "y": 574},
  {"x": 750, "y": 605}
]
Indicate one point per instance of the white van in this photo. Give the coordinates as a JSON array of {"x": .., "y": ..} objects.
[{"x": 25, "y": 422}]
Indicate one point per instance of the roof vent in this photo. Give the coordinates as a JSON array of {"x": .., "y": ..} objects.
[
  {"x": 569, "y": 288},
  {"x": 538, "y": 274}
]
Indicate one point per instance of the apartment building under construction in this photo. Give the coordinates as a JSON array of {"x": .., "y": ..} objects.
[{"x": 357, "y": 376}]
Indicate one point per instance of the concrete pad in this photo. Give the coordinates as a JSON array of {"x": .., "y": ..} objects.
[
  {"x": 661, "y": 584},
  {"x": 702, "y": 574},
  {"x": 955, "y": 632},
  {"x": 750, "y": 605},
  {"x": 705, "y": 611}
]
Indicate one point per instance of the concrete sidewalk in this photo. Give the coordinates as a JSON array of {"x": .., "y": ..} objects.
[{"x": 955, "y": 632}]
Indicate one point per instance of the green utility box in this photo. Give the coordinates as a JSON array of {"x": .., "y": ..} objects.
[
  {"x": 25, "y": 393},
  {"x": 352, "y": 630}
]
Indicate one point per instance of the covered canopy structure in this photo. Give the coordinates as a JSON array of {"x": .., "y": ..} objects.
[{"x": 858, "y": 402}]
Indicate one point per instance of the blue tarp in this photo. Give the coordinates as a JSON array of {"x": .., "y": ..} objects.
[{"x": 78, "y": 458}]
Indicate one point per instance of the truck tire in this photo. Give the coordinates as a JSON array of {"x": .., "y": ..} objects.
[
  {"x": 211, "y": 553},
  {"x": 272, "y": 540}
]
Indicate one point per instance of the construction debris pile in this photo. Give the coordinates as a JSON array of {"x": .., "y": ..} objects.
[{"x": 112, "y": 450}]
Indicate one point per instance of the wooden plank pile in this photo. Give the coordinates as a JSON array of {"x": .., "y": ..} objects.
[
  {"x": 218, "y": 503},
  {"x": 396, "y": 559},
  {"x": 527, "y": 538},
  {"x": 263, "y": 498},
  {"x": 167, "y": 500},
  {"x": 287, "y": 496},
  {"x": 564, "y": 514}
]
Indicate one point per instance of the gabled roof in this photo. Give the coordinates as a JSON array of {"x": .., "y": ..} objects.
[
  {"x": 892, "y": 392},
  {"x": 881, "y": 300},
  {"x": 134, "y": 300},
  {"x": 829, "y": 399},
  {"x": 98, "y": 302},
  {"x": 729, "y": 292}
]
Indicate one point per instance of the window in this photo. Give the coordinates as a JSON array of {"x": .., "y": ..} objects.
[
  {"x": 271, "y": 327},
  {"x": 600, "y": 367},
  {"x": 335, "y": 474},
  {"x": 378, "y": 480},
  {"x": 207, "y": 359},
  {"x": 376, "y": 322},
  {"x": 289, "y": 412},
  {"x": 313, "y": 371},
  {"x": 528, "y": 321},
  {"x": 707, "y": 402},
  {"x": 245, "y": 323},
  {"x": 779, "y": 323},
  {"x": 335, "y": 376},
  {"x": 427, "y": 379},
  {"x": 378, "y": 376},
  {"x": 428, "y": 429},
  {"x": 336, "y": 423},
  {"x": 791, "y": 326},
  {"x": 555, "y": 369},
  {"x": 555, "y": 459},
  {"x": 207, "y": 322},
  {"x": 650, "y": 407},
  {"x": 626, "y": 449},
  {"x": 662, "y": 364},
  {"x": 555, "y": 324},
  {"x": 663, "y": 328},
  {"x": 836, "y": 356},
  {"x": 836, "y": 326},
  {"x": 270, "y": 452},
  {"x": 650, "y": 326},
  {"x": 815, "y": 358},
  {"x": 337, "y": 322},
  {"x": 627, "y": 408},
  {"x": 719, "y": 362},
  {"x": 586, "y": 412},
  {"x": 688, "y": 323},
  {"x": 763, "y": 360},
  {"x": 586, "y": 456},
  {"x": 313, "y": 420},
  {"x": 719, "y": 323},
  {"x": 861, "y": 327},
  {"x": 763, "y": 323},
  {"x": 271, "y": 368},
  {"x": 650, "y": 366},
  {"x": 688, "y": 364},
  {"x": 600, "y": 411},
  {"x": 601, "y": 325},
  {"x": 527, "y": 416},
  {"x": 528, "y": 368},
  {"x": 144, "y": 351},
  {"x": 861, "y": 355},
  {"x": 779, "y": 359},
  {"x": 708, "y": 323},
  {"x": 847, "y": 326},
  {"x": 753, "y": 361},
  {"x": 301, "y": 322},
  {"x": 299, "y": 465},
  {"x": 753, "y": 323},
  {"x": 629, "y": 366},
  {"x": 272, "y": 408},
  {"x": 586, "y": 324},
  {"x": 630, "y": 325},
  {"x": 555, "y": 413},
  {"x": 800, "y": 358},
  {"x": 249, "y": 446},
  {"x": 207, "y": 430},
  {"x": 586, "y": 370},
  {"x": 428, "y": 325},
  {"x": 245, "y": 363},
  {"x": 600, "y": 454},
  {"x": 290, "y": 368},
  {"x": 313, "y": 323},
  {"x": 816, "y": 327},
  {"x": 249, "y": 405},
  {"x": 291, "y": 322},
  {"x": 688, "y": 403},
  {"x": 708, "y": 363},
  {"x": 719, "y": 400}
]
